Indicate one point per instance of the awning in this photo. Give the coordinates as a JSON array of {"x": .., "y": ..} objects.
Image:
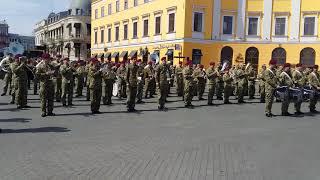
[
  {"x": 107, "y": 55},
  {"x": 101, "y": 55},
  {"x": 115, "y": 54},
  {"x": 133, "y": 53},
  {"x": 77, "y": 25},
  {"x": 67, "y": 45},
  {"x": 169, "y": 52},
  {"x": 124, "y": 54}
]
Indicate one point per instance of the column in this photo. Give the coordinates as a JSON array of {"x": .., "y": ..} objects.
[
  {"x": 295, "y": 20},
  {"x": 216, "y": 13},
  {"x": 267, "y": 19},
  {"x": 241, "y": 19}
]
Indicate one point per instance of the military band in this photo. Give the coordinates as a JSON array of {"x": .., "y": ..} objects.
[{"x": 136, "y": 80}]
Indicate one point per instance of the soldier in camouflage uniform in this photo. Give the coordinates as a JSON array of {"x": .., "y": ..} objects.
[
  {"x": 132, "y": 80},
  {"x": 279, "y": 70},
  {"x": 219, "y": 84},
  {"x": 45, "y": 73},
  {"x": 109, "y": 77},
  {"x": 80, "y": 75},
  {"x": 212, "y": 74},
  {"x": 299, "y": 80},
  {"x": 262, "y": 84},
  {"x": 5, "y": 64},
  {"x": 314, "y": 81},
  {"x": 140, "y": 81},
  {"x": 163, "y": 80},
  {"x": 95, "y": 85},
  {"x": 57, "y": 77},
  {"x": 122, "y": 84},
  {"x": 20, "y": 78},
  {"x": 149, "y": 77},
  {"x": 241, "y": 81},
  {"x": 87, "y": 83},
  {"x": 188, "y": 84},
  {"x": 271, "y": 81},
  {"x": 199, "y": 75},
  {"x": 67, "y": 83},
  {"x": 227, "y": 79},
  {"x": 179, "y": 79},
  {"x": 286, "y": 80},
  {"x": 251, "y": 82}
]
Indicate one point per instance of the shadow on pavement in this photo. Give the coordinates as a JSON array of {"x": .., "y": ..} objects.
[
  {"x": 22, "y": 120},
  {"x": 36, "y": 130},
  {"x": 10, "y": 109}
]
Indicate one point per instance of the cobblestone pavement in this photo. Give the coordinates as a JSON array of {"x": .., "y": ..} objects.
[{"x": 223, "y": 142}]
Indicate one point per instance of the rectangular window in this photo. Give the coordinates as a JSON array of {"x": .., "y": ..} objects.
[
  {"x": 109, "y": 35},
  {"x": 135, "y": 3},
  {"x": 96, "y": 14},
  {"x": 171, "y": 22},
  {"x": 253, "y": 26},
  {"x": 102, "y": 36},
  {"x": 280, "y": 27},
  {"x": 96, "y": 37},
  {"x": 117, "y": 6},
  {"x": 135, "y": 29},
  {"x": 125, "y": 4},
  {"x": 158, "y": 25},
  {"x": 88, "y": 30},
  {"x": 197, "y": 22},
  {"x": 227, "y": 24},
  {"x": 102, "y": 11},
  {"x": 109, "y": 9},
  {"x": 117, "y": 33},
  {"x": 309, "y": 26},
  {"x": 145, "y": 27},
  {"x": 125, "y": 31}
]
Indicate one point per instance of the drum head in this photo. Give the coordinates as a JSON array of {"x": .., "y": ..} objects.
[{"x": 115, "y": 89}]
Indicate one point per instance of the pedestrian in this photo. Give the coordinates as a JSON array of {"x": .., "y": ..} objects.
[
  {"x": 212, "y": 74},
  {"x": 149, "y": 77},
  {"x": 109, "y": 78},
  {"x": 132, "y": 80},
  {"x": 227, "y": 79},
  {"x": 271, "y": 81},
  {"x": 80, "y": 75},
  {"x": 200, "y": 75},
  {"x": 251, "y": 79},
  {"x": 122, "y": 84},
  {"x": 5, "y": 66},
  {"x": 45, "y": 73},
  {"x": 262, "y": 84},
  {"x": 179, "y": 79},
  {"x": 140, "y": 81},
  {"x": 300, "y": 81}
]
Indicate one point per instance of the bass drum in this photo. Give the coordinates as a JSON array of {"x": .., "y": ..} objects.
[{"x": 115, "y": 89}]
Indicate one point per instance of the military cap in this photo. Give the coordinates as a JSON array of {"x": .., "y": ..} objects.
[{"x": 272, "y": 62}]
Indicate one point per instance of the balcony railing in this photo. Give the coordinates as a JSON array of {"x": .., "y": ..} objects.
[{"x": 78, "y": 37}]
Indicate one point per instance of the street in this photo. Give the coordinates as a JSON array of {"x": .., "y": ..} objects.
[{"x": 222, "y": 142}]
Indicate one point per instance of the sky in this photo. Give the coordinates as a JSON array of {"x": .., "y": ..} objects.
[{"x": 22, "y": 15}]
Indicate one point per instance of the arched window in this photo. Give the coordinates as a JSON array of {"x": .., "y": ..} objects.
[
  {"x": 280, "y": 55},
  {"x": 226, "y": 55},
  {"x": 252, "y": 57},
  {"x": 308, "y": 56}
]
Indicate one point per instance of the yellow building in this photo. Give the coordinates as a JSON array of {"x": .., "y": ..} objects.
[{"x": 237, "y": 31}]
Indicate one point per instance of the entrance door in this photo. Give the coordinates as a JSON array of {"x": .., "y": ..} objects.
[
  {"x": 226, "y": 55},
  {"x": 252, "y": 57}
]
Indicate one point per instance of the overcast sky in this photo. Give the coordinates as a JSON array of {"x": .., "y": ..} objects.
[{"x": 21, "y": 15}]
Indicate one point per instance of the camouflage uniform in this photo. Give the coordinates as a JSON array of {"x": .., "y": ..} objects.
[
  {"x": 148, "y": 80},
  {"x": 179, "y": 80},
  {"x": 227, "y": 79},
  {"x": 67, "y": 84},
  {"x": 132, "y": 79},
  {"x": 262, "y": 85},
  {"x": 20, "y": 78},
  {"x": 46, "y": 89},
  {"x": 212, "y": 75},
  {"x": 140, "y": 84},
  {"x": 80, "y": 74},
  {"x": 122, "y": 84},
  {"x": 251, "y": 82},
  {"x": 219, "y": 85},
  {"x": 299, "y": 81},
  {"x": 58, "y": 80},
  {"x": 95, "y": 86},
  {"x": 285, "y": 80},
  {"x": 8, "y": 77},
  {"x": 87, "y": 82},
  {"x": 109, "y": 77},
  {"x": 188, "y": 85},
  {"x": 163, "y": 75},
  {"x": 271, "y": 83},
  {"x": 241, "y": 81},
  {"x": 314, "y": 81},
  {"x": 199, "y": 75}
]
